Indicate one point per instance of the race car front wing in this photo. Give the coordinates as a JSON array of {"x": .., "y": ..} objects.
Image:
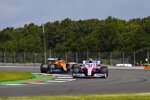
[{"x": 83, "y": 75}]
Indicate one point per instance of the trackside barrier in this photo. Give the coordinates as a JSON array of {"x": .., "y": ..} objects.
[
  {"x": 25, "y": 65},
  {"x": 108, "y": 58},
  {"x": 37, "y": 65},
  {"x": 115, "y": 67}
]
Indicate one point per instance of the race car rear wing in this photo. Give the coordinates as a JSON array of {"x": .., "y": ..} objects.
[
  {"x": 49, "y": 59},
  {"x": 97, "y": 62}
]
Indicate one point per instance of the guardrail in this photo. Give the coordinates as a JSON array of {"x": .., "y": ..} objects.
[
  {"x": 20, "y": 64},
  {"x": 37, "y": 65},
  {"x": 115, "y": 67}
]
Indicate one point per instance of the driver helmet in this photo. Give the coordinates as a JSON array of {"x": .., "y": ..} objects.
[
  {"x": 90, "y": 60},
  {"x": 59, "y": 59}
]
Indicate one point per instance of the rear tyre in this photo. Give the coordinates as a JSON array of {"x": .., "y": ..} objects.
[
  {"x": 43, "y": 68},
  {"x": 104, "y": 70}
]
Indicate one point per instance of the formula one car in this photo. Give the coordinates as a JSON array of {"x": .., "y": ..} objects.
[
  {"x": 92, "y": 69},
  {"x": 55, "y": 65}
]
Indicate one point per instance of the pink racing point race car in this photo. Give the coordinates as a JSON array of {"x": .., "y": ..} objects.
[{"x": 92, "y": 69}]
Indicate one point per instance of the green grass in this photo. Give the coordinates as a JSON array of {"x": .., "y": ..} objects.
[
  {"x": 13, "y": 76},
  {"x": 85, "y": 97}
]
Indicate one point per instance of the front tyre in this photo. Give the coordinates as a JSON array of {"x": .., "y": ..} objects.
[
  {"x": 51, "y": 68},
  {"x": 75, "y": 70}
]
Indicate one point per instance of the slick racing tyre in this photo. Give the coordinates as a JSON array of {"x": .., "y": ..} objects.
[
  {"x": 104, "y": 70},
  {"x": 43, "y": 68}
]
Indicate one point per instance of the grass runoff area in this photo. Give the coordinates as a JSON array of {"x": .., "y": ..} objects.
[
  {"x": 85, "y": 97},
  {"x": 13, "y": 76}
]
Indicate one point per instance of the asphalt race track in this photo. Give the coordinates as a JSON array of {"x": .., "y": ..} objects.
[{"x": 119, "y": 81}]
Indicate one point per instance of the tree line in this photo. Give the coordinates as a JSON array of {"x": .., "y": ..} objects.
[{"x": 110, "y": 34}]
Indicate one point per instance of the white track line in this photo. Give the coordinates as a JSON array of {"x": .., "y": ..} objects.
[{"x": 60, "y": 78}]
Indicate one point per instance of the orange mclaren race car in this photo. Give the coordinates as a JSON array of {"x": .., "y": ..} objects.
[{"x": 55, "y": 65}]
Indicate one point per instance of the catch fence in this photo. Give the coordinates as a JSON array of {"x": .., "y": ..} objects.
[{"x": 108, "y": 58}]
